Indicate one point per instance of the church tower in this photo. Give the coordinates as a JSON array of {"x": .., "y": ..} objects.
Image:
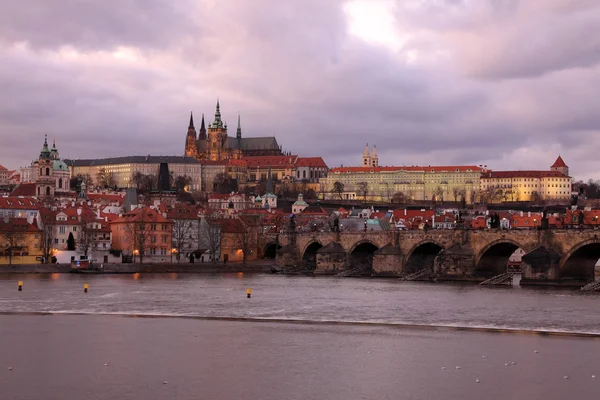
[
  {"x": 374, "y": 157},
  {"x": 366, "y": 157},
  {"x": 191, "y": 148},
  {"x": 45, "y": 174},
  {"x": 202, "y": 132}
]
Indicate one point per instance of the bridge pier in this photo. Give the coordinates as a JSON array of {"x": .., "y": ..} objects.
[
  {"x": 455, "y": 263},
  {"x": 331, "y": 259},
  {"x": 540, "y": 267},
  {"x": 388, "y": 261}
]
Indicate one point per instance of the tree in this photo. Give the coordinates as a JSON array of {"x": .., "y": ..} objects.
[
  {"x": 181, "y": 182},
  {"x": 455, "y": 193},
  {"x": 224, "y": 184},
  {"x": 245, "y": 240},
  {"x": 338, "y": 187},
  {"x": 139, "y": 233},
  {"x": 398, "y": 197},
  {"x": 322, "y": 190},
  {"x": 77, "y": 180},
  {"x": 71, "y": 242},
  {"x": 362, "y": 189},
  {"x": 14, "y": 237},
  {"x": 143, "y": 183},
  {"x": 210, "y": 235},
  {"x": 182, "y": 235},
  {"x": 85, "y": 235},
  {"x": 439, "y": 193},
  {"x": 105, "y": 179},
  {"x": 47, "y": 241}
]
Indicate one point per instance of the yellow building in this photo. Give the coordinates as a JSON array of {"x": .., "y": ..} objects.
[
  {"x": 555, "y": 184},
  {"x": 123, "y": 168},
  {"x": 440, "y": 183},
  {"x": 20, "y": 242}
]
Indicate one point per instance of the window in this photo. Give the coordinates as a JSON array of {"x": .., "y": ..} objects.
[
  {"x": 47, "y": 171},
  {"x": 61, "y": 229},
  {"x": 74, "y": 229},
  {"x": 152, "y": 227},
  {"x": 163, "y": 252}
]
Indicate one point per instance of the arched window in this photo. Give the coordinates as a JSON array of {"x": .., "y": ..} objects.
[
  {"x": 47, "y": 190},
  {"x": 47, "y": 171},
  {"x": 39, "y": 191},
  {"x": 41, "y": 173},
  {"x": 60, "y": 183},
  {"x": 304, "y": 174}
]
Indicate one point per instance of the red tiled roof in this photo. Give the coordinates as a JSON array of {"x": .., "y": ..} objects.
[
  {"x": 523, "y": 174},
  {"x": 559, "y": 163},
  {"x": 24, "y": 189},
  {"x": 231, "y": 225},
  {"x": 310, "y": 162},
  {"x": 142, "y": 214},
  {"x": 21, "y": 203},
  {"x": 270, "y": 161},
  {"x": 106, "y": 197},
  {"x": 20, "y": 223},
  {"x": 460, "y": 168},
  {"x": 3, "y": 168}
]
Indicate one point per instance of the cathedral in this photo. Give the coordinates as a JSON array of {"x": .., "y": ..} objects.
[{"x": 214, "y": 144}]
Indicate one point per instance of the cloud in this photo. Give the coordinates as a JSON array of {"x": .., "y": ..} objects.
[{"x": 504, "y": 83}]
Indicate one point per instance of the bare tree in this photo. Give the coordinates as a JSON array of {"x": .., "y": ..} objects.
[
  {"x": 14, "y": 237},
  {"x": 455, "y": 193},
  {"x": 338, "y": 187},
  {"x": 139, "y": 234},
  {"x": 182, "y": 235},
  {"x": 143, "y": 183},
  {"x": 210, "y": 235},
  {"x": 322, "y": 190},
  {"x": 86, "y": 235},
  {"x": 363, "y": 190},
  {"x": 47, "y": 241},
  {"x": 439, "y": 193},
  {"x": 105, "y": 179},
  {"x": 181, "y": 182},
  {"x": 245, "y": 240},
  {"x": 398, "y": 197}
]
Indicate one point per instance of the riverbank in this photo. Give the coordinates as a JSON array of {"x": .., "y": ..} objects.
[{"x": 196, "y": 268}]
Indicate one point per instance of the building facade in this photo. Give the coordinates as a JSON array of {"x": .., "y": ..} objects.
[
  {"x": 122, "y": 169},
  {"x": 215, "y": 144},
  {"x": 553, "y": 184}
]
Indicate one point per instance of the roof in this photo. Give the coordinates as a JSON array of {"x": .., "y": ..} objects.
[
  {"x": 18, "y": 224},
  {"x": 252, "y": 143},
  {"x": 24, "y": 189},
  {"x": 231, "y": 225},
  {"x": 310, "y": 162},
  {"x": 270, "y": 161},
  {"x": 142, "y": 214},
  {"x": 559, "y": 163},
  {"x": 523, "y": 174},
  {"x": 132, "y": 160},
  {"x": 455, "y": 168},
  {"x": 3, "y": 168},
  {"x": 112, "y": 198},
  {"x": 21, "y": 203}
]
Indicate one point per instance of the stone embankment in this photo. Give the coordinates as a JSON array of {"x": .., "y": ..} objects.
[{"x": 144, "y": 268}]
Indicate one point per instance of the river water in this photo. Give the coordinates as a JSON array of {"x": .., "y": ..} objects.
[{"x": 296, "y": 338}]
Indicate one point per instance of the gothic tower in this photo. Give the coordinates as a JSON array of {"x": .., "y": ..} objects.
[
  {"x": 202, "y": 132},
  {"x": 217, "y": 135},
  {"x": 191, "y": 148}
]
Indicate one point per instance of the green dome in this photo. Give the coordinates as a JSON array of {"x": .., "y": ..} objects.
[{"x": 58, "y": 165}]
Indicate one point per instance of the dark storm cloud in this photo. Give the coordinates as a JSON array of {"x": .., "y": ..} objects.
[{"x": 505, "y": 83}]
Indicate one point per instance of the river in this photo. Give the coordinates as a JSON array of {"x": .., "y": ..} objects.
[{"x": 296, "y": 338}]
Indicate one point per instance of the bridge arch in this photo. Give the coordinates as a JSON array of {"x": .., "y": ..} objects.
[
  {"x": 270, "y": 250},
  {"x": 309, "y": 255},
  {"x": 360, "y": 257},
  {"x": 580, "y": 261},
  {"x": 422, "y": 256},
  {"x": 493, "y": 259}
]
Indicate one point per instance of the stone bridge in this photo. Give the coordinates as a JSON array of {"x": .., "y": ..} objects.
[{"x": 552, "y": 256}]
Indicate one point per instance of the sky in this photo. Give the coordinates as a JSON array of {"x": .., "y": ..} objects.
[{"x": 510, "y": 84}]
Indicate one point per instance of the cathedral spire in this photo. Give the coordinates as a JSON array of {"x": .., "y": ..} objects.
[
  {"x": 191, "y": 121},
  {"x": 45, "y": 153},
  {"x": 238, "y": 133},
  {"x": 218, "y": 123},
  {"x": 202, "y": 133}
]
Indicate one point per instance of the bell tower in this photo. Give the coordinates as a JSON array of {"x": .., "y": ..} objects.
[{"x": 217, "y": 135}]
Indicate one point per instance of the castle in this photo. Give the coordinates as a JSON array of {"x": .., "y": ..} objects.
[{"x": 214, "y": 144}]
